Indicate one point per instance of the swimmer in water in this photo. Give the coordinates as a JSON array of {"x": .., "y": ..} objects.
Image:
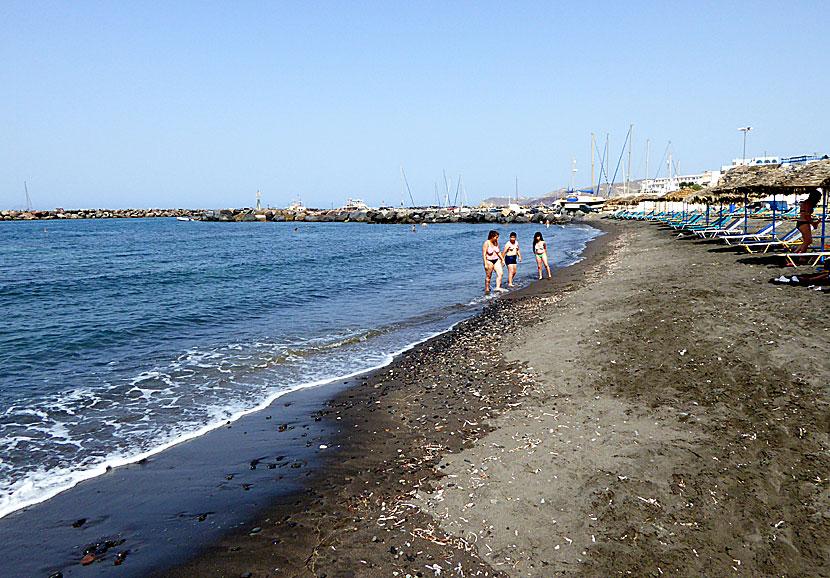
[{"x": 492, "y": 261}]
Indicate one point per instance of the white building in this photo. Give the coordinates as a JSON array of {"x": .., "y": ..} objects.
[
  {"x": 798, "y": 160},
  {"x": 667, "y": 185},
  {"x": 752, "y": 161}
]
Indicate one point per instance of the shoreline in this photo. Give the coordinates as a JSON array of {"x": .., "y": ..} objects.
[
  {"x": 72, "y": 506},
  {"x": 371, "y": 488},
  {"x": 641, "y": 416}
]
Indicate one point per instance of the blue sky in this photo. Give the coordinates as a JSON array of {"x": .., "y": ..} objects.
[{"x": 201, "y": 104}]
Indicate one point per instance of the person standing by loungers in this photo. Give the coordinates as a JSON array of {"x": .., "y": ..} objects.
[
  {"x": 511, "y": 253},
  {"x": 540, "y": 249},
  {"x": 806, "y": 222},
  {"x": 492, "y": 261}
]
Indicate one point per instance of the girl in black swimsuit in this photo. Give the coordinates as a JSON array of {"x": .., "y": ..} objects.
[{"x": 805, "y": 221}]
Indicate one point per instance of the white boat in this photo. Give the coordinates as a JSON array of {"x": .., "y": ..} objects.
[
  {"x": 354, "y": 205},
  {"x": 296, "y": 206},
  {"x": 185, "y": 219},
  {"x": 578, "y": 200}
]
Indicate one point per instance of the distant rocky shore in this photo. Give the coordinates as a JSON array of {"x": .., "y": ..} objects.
[
  {"x": 96, "y": 214},
  {"x": 407, "y": 216}
]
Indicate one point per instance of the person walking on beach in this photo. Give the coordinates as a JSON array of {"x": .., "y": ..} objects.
[
  {"x": 511, "y": 253},
  {"x": 540, "y": 249},
  {"x": 806, "y": 222},
  {"x": 492, "y": 261}
]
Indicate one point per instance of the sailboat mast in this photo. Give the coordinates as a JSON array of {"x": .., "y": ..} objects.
[
  {"x": 644, "y": 189},
  {"x": 630, "y": 138},
  {"x": 669, "y": 167},
  {"x": 28, "y": 198},
  {"x": 607, "y": 160},
  {"x": 402, "y": 197},
  {"x": 573, "y": 176},
  {"x": 517, "y": 190},
  {"x": 592, "y": 163},
  {"x": 461, "y": 184}
]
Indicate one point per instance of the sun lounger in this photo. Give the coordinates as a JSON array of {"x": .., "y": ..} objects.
[
  {"x": 760, "y": 234},
  {"x": 812, "y": 258},
  {"x": 689, "y": 222},
  {"x": 791, "y": 239},
  {"x": 731, "y": 227},
  {"x": 714, "y": 224}
]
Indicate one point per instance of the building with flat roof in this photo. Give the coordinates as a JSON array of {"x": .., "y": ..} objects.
[
  {"x": 666, "y": 185},
  {"x": 775, "y": 160}
]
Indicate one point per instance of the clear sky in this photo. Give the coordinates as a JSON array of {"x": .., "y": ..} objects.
[{"x": 201, "y": 104}]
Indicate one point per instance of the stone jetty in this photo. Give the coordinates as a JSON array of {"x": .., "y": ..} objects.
[
  {"x": 402, "y": 216},
  {"x": 97, "y": 214}
]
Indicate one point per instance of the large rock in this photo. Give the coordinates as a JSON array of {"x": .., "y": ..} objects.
[{"x": 359, "y": 216}]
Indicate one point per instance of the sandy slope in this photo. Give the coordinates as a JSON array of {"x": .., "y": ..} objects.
[{"x": 678, "y": 426}]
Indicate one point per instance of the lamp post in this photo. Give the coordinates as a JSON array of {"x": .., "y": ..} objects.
[{"x": 745, "y": 130}]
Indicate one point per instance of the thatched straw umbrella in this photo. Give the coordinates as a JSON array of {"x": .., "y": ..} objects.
[
  {"x": 745, "y": 182},
  {"x": 680, "y": 196},
  {"x": 808, "y": 178},
  {"x": 627, "y": 200}
]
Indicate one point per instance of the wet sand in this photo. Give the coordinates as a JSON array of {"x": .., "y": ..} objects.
[{"x": 658, "y": 408}]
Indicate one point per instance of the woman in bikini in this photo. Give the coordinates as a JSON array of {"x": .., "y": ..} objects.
[
  {"x": 492, "y": 261},
  {"x": 540, "y": 249},
  {"x": 511, "y": 253},
  {"x": 806, "y": 222}
]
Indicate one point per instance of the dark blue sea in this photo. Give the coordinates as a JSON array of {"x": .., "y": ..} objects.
[{"x": 120, "y": 338}]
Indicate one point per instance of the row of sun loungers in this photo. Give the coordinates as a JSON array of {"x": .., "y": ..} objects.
[{"x": 729, "y": 227}]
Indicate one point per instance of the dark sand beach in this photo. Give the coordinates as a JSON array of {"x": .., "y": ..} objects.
[{"x": 657, "y": 409}]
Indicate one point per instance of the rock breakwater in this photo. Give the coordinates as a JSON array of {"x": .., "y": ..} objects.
[
  {"x": 404, "y": 216},
  {"x": 97, "y": 214}
]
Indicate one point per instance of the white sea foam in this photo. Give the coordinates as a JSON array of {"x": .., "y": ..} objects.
[{"x": 42, "y": 484}]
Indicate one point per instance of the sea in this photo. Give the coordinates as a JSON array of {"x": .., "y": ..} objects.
[{"x": 123, "y": 337}]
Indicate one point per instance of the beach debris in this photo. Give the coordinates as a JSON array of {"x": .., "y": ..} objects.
[
  {"x": 650, "y": 501},
  {"x": 96, "y": 551},
  {"x": 120, "y": 557},
  {"x": 56, "y": 575},
  {"x": 88, "y": 559},
  {"x": 79, "y": 523}
]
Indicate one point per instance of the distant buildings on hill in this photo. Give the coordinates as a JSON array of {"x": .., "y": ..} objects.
[
  {"x": 799, "y": 160},
  {"x": 710, "y": 178},
  {"x": 666, "y": 185}
]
